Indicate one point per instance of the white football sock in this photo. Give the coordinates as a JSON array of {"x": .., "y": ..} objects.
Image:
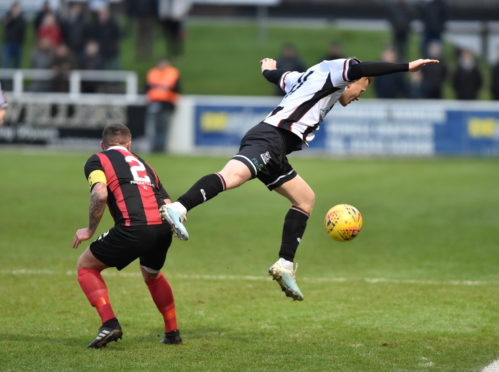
[
  {"x": 179, "y": 208},
  {"x": 285, "y": 263}
]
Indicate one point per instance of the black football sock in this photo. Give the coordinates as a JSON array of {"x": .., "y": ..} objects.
[
  {"x": 203, "y": 190},
  {"x": 295, "y": 223}
]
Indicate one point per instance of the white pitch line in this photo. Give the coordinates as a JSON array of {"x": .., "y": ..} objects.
[
  {"x": 492, "y": 367},
  {"x": 469, "y": 283}
]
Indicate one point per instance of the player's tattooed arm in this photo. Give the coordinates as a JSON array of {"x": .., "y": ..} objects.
[{"x": 98, "y": 200}]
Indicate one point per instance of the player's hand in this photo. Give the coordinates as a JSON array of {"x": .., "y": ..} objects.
[
  {"x": 268, "y": 64},
  {"x": 420, "y": 63},
  {"x": 82, "y": 235}
]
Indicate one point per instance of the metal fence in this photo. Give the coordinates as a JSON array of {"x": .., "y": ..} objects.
[{"x": 18, "y": 78}]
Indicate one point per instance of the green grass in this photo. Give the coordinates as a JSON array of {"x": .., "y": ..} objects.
[{"x": 430, "y": 227}]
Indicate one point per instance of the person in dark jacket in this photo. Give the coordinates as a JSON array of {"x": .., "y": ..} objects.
[
  {"x": 393, "y": 85},
  {"x": 400, "y": 15},
  {"x": 435, "y": 75},
  {"x": 495, "y": 78},
  {"x": 144, "y": 12},
  {"x": 74, "y": 29},
  {"x": 91, "y": 60},
  {"x": 15, "y": 28},
  {"x": 434, "y": 14},
  {"x": 467, "y": 79},
  {"x": 40, "y": 15},
  {"x": 106, "y": 32}
]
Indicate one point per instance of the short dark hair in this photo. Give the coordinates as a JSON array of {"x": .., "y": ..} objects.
[{"x": 116, "y": 134}]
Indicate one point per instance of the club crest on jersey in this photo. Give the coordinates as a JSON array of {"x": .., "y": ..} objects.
[
  {"x": 265, "y": 157},
  {"x": 258, "y": 165}
]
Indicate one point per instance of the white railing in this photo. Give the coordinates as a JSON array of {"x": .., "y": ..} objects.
[{"x": 75, "y": 77}]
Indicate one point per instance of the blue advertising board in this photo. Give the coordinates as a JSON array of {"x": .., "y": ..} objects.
[{"x": 374, "y": 128}]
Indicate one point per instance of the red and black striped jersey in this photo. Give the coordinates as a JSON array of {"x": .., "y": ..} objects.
[{"x": 135, "y": 192}]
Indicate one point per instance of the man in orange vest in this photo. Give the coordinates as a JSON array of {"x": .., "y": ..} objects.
[{"x": 163, "y": 91}]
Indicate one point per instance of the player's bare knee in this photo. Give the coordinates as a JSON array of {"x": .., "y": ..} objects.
[
  {"x": 148, "y": 274},
  {"x": 83, "y": 262},
  {"x": 307, "y": 201},
  {"x": 235, "y": 173},
  {"x": 233, "y": 178}
]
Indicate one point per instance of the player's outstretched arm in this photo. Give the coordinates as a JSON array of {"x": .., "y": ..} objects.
[{"x": 420, "y": 63}]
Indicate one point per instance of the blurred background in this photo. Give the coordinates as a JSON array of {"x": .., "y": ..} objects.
[{"x": 70, "y": 67}]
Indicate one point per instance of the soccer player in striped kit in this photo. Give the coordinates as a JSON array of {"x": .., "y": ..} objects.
[
  {"x": 133, "y": 192},
  {"x": 310, "y": 95}
]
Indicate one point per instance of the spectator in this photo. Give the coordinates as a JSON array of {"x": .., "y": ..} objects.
[
  {"x": 434, "y": 16},
  {"x": 15, "y": 27},
  {"x": 416, "y": 85},
  {"x": 400, "y": 15},
  {"x": 63, "y": 64},
  {"x": 467, "y": 78},
  {"x": 163, "y": 88},
  {"x": 106, "y": 32},
  {"x": 290, "y": 61},
  {"x": 74, "y": 29},
  {"x": 91, "y": 60},
  {"x": 335, "y": 51},
  {"x": 50, "y": 29},
  {"x": 42, "y": 58},
  {"x": 144, "y": 12},
  {"x": 40, "y": 15},
  {"x": 393, "y": 85},
  {"x": 172, "y": 15},
  {"x": 495, "y": 78},
  {"x": 435, "y": 75}
]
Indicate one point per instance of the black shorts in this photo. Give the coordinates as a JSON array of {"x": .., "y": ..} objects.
[
  {"x": 263, "y": 150},
  {"x": 123, "y": 244}
]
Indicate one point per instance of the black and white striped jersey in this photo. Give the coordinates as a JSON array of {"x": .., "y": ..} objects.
[{"x": 310, "y": 95}]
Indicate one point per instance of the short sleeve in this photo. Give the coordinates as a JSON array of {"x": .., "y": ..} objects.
[
  {"x": 94, "y": 172},
  {"x": 288, "y": 80},
  {"x": 338, "y": 70}
]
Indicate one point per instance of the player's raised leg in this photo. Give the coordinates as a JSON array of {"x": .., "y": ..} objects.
[
  {"x": 234, "y": 173},
  {"x": 94, "y": 287},
  {"x": 302, "y": 199},
  {"x": 162, "y": 295}
]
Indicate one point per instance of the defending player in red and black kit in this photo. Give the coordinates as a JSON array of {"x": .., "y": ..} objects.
[
  {"x": 310, "y": 95},
  {"x": 133, "y": 192}
]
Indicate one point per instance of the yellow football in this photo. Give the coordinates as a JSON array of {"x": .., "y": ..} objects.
[{"x": 343, "y": 222}]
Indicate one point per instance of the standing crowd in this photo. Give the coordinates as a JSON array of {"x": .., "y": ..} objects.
[
  {"x": 86, "y": 37},
  {"x": 463, "y": 72}
]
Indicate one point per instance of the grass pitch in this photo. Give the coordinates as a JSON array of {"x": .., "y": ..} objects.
[{"x": 417, "y": 290}]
